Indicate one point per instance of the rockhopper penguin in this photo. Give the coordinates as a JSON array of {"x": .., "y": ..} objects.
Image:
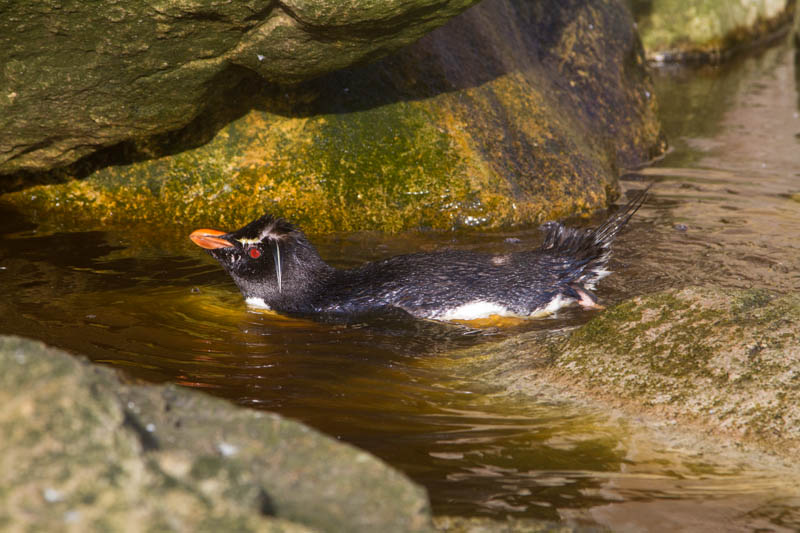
[{"x": 276, "y": 267}]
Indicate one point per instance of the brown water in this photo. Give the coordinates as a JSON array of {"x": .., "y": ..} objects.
[{"x": 721, "y": 213}]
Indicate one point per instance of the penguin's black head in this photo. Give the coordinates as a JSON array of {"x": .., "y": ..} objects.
[{"x": 271, "y": 261}]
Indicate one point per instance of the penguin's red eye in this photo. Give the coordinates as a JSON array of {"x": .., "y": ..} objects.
[{"x": 255, "y": 253}]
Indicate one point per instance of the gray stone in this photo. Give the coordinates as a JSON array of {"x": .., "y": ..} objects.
[
  {"x": 726, "y": 359},
  {"x": 81, "y": 451},
  {"x": 75, "y": 78}
]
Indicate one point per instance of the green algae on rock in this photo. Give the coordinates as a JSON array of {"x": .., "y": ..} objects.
[
  {"x": 83, "y": 451},
  {"x": 688, "y": 30},
  {"x": 512, "y": 113}
]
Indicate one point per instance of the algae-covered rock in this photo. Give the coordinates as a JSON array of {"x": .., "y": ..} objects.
[
  {"x": 75, "y": 78},
  {"x": 725, "y": 360},
  {"x": 729, "y": 359},
  {"x": 80, "y": 451},
  {"x": 514, "y": 112},
  {"x": 692, "y": 30}
]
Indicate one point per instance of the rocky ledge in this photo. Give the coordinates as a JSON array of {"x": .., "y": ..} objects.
[
  {"x": 81, "y": 451},
  {"x": 74, "y": 78},
  {"x": 721, "y": 363}
]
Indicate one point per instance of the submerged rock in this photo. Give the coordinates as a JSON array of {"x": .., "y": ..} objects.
[
  {"x": 81, "y": 451},
  {"x": 691, "y": 30},
  {"x": 76, "y": 78},
  {"x": 513, "y": 112}
]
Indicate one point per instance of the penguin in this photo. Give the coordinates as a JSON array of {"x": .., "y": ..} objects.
[{"x": 277, "y": 268}]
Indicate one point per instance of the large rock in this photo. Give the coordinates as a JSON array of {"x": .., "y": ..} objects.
[
  {"x": 514, "y": 112},
  {"x": 81, "y": 451},
  {"x": 692, "y": 30},
  {"x": 725, "y": 361},
  {"x": 728, "y": 359},
  {"x": 75, "y": 78}
]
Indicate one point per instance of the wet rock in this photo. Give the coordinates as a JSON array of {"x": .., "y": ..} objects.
[
  {"x": 725, "y": 361},
  {"x": 82, "y": 451},
  {"x": 513, "y": 112},
  {"x": 76, "y": 78},
  {"x": 688, "y": 30}
]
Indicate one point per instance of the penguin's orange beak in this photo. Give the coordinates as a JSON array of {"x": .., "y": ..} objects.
[{"x": 209, "y": 239}]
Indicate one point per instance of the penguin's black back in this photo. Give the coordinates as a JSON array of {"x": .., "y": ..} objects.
[{"x": 444, "y": 284}]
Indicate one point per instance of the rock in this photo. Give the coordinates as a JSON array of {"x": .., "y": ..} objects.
[
  {"x": 81, "y": 451},
  {"x": 724, "y": 361},
  {"x": 76, "y": 78},
  {"x": 689, "y": 30},
  {"x": 701, "y": 386},
  {"x": 727, "y": 359},
  {"x": 514, "y": 112}
]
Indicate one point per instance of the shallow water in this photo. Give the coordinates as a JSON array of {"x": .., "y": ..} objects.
[{"x": 721, "y": 212}]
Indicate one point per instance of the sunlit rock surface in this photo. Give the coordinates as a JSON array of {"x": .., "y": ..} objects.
[
  {"x": 75, "y": 78},
  {"x": 513, "y": 112},
  {"x": 81, "y": 451},
  {"x": 725, "y": 362},
  {"x": 693, "y": 30}
]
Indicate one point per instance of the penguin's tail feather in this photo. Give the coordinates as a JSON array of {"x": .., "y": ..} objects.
[{"x": 585, "y": 252}]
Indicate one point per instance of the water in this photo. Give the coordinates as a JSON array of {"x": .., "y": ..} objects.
[{"x": 721, "y": 213}]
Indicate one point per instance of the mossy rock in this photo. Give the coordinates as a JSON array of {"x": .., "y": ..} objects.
[
  {"x": 723, "y": 363},
  {"x": 514, "y": 112},
  {"x": 82, "y": 451},
  {"x": 75, "y": 79},
  {"x": 690, "y": 30},
  {"x": 729, "y": 360}
]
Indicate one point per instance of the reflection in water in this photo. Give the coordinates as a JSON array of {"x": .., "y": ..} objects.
[{"x": 721, "y": 213}]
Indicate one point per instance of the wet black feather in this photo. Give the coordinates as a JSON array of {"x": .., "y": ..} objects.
[{"x": 568, "y": 263}]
